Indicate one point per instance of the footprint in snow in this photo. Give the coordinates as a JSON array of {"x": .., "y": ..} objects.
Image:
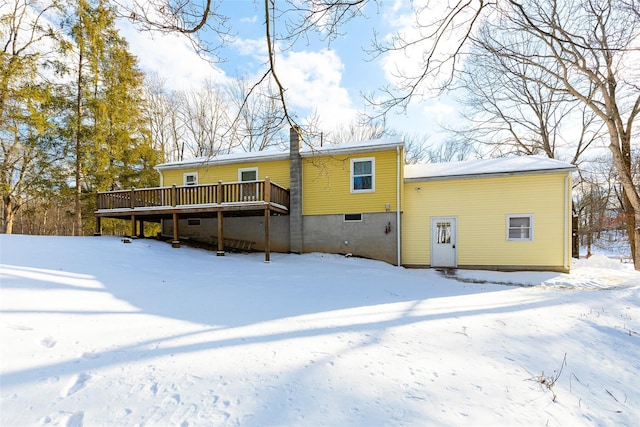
[
  {"x": 77, "y": 383},
  {"x": 48, "y": 342},
  {"x": 90, "y": 355}
]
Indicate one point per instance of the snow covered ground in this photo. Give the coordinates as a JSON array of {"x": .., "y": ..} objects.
[{"x": 95, "y": 332}]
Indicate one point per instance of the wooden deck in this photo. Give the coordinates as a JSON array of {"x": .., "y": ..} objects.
[{"x": 261, "y": 197}]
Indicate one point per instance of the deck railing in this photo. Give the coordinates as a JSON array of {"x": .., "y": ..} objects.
[{"x": 222, "y": 192}]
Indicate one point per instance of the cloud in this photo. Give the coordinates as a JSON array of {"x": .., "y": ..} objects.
[
  {"x": 313, "y": 82},
  {"x": 171, "y": 56}
]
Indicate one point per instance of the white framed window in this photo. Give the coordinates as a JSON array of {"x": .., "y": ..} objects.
[
  {"x": 191, "y": 178},
  {"x": 247, "y": 174},
  {"x": 363, "y": 175},
  {"x": 353, "y": 217},
  {"x": 248, "y": 191},
  {"x": 519, "y": 227}
]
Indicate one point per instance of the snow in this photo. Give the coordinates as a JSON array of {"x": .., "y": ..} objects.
[
  {"x": 485, "y": 167},
  {"x": 98, "y": 332}
]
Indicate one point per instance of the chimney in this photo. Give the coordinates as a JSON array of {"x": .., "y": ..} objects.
[{"x": 295, "y": 191}]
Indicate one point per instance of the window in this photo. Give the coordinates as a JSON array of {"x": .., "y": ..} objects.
[
  {"x": 443, "y": 232},
  {"x": 248, "y": 174},
  {"x": 352, "y": 217},
  {"x": 193, "y": 221},
  {"x": 249, "y": 191},
  {"x": 191, "y": 178},
  {"x": 363, "y": 175},
  {"x": 519, "y": 227}
]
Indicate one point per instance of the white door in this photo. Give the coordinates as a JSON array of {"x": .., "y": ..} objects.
[{"x": 443, "y": 242}]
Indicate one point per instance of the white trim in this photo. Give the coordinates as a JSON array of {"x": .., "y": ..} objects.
[
  {"x": 373, "y": 175},
  {"x": 398, "y": 225},
  {"x": 186, "y": 174},
  {"x": 520, "y": 239},
  {"x": 241, "y": 170}
]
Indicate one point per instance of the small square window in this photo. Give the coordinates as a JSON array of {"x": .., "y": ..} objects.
[
  {"x": 519, "y": 227},
  {"x": 191, "y": 178},
  {"x": 363, "y": 175}
]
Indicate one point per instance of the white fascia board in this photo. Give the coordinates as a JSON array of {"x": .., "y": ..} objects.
[{"x": 490, "y": 175}]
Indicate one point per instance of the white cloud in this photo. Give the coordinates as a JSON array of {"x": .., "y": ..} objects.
[
  {"x": 171, "y": 56},
  {"x": 313, "y": 82}
]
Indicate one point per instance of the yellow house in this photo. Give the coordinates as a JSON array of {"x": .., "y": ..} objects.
[{"x": 360, "y": 199}]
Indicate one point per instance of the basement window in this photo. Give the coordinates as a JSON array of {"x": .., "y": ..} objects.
[
  {"x": 519, "y": 228},
  {"x": 193, "y": 222},
  {"x": 353, "y": 217}
]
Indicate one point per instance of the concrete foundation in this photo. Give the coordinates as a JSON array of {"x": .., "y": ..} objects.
[{"x": 374, "y": 237}]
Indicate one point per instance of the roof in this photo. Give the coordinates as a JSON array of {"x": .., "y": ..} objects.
[
  {"x": 476, "y": 168},
  {"x": 271, "y": 155}
]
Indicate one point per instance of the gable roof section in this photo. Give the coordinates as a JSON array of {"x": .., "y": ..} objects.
[
  {"x": 272, "y": 155},
  {"x": 484, "y": 168}
]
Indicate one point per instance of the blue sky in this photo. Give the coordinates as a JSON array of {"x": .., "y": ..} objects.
[{"x": 326, "y": 77}]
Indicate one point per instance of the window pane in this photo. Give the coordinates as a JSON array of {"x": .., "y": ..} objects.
[
  {"x": 443, "y": 232},
  {"x": 248, "y": 176},
  {"x": 519, "y": 222},
  {"x": 519, "y": 233},
  {"x": 362, "y": 183},
  {"x": 362, "y": 168}
]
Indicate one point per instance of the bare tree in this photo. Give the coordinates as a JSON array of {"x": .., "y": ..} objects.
[
  {"x": 206, "y": 120},
  {"x": 516, "y": 108},
  {"x": 259, "y": 118}
]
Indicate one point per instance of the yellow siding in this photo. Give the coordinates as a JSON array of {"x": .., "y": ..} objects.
[
  {"x": 481, "y": 207},
  {"x": 327, "y": 186},
  {"x": 277, "y": 171}
]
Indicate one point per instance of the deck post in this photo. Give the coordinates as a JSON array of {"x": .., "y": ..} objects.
[
  {"x": 133, "y": 226},
  {"x": 98, "y": 231},
  {"x": 267, "y": 235},
  {"x": 174, "y": 195},
  {"x": 176, "y": 242},
  {"x": 267, "y": 220},
  {"x": 220, "y": 234},
  {"x": 142, "y": 228},
  {"x": 132, "y": 201}
]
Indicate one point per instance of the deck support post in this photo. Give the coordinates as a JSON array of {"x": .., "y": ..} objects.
[
  {"x": 176, "y": 242},
  {"x": 142, "y": 228},
  {"x": 267, "y": 235},
  {"x": 267, "y": 220},
  {"x": 220, "y": 234},
  {"x": 98, "y": 231},
  {"x": 133, "y": 226}
]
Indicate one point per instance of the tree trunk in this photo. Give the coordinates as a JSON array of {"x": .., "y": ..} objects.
[
  {"x": 8, "y": 214},
  {"x": 78, "y": 165},
  {"x": 632, "y": 217}
]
